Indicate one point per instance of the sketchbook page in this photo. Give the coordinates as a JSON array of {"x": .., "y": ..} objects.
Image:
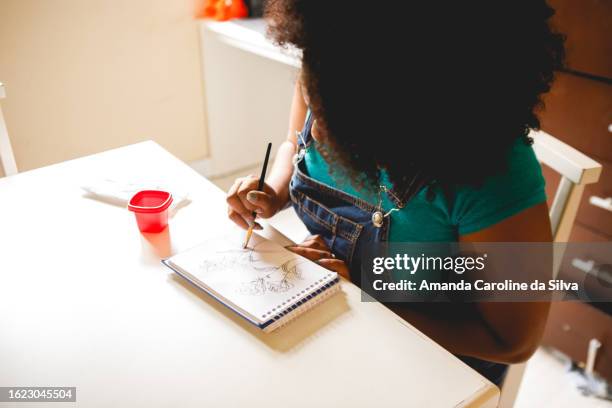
[{"x": 261, "y": 280}]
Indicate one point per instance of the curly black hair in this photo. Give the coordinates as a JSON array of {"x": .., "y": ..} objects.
[{"x": 441, "y": 88}]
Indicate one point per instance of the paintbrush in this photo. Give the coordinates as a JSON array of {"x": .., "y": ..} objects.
[{"x": 262, "y": 177}]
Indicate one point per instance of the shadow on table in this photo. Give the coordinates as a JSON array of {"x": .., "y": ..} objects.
[
  {"x": 156, "y": 246},
  {"x": 296, "y": 333}
]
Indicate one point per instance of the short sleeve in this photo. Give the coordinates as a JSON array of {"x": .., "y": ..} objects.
[{"x": 520, "y": 187}]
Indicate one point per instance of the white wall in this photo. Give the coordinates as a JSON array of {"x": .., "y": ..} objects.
[{"x": 84, "y": 76}]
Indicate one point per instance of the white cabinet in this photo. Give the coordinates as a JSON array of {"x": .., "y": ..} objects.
[{"x": 248, "y": 85}]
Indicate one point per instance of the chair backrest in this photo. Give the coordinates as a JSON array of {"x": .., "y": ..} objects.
[
  {"x": 7, "y": 158},
  {"x": 576, "y": 170}
]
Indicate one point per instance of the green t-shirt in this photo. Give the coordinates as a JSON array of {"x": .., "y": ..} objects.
[{"x": 468, "y": 210}]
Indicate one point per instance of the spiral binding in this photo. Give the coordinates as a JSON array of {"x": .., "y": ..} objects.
[{"x": 304, "y": 304}]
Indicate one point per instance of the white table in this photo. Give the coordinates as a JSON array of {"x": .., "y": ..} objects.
[{"x": 85, "y": 302}]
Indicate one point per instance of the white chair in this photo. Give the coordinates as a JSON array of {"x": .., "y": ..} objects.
[
  {"x": 7, "y": 158},
  {"x": 576, "y": 170}
]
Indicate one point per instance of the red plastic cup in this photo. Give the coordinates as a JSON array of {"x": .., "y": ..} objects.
[{"x": 151, "y": 209}]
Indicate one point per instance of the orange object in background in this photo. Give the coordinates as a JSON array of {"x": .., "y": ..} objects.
[
  {"x": 208, "y": 10},
  {"x": 222, "y": 10}
]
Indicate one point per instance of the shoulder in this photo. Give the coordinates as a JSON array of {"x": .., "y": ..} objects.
[{"x": 501, "y": 196}]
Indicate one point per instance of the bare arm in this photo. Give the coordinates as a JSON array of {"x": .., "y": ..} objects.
[
  {"x": 283, "y": 168},
  {"x": 495, "y": 331}
]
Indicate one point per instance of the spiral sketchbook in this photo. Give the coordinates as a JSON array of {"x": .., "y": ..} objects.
[{"x": 264, "y": 283}]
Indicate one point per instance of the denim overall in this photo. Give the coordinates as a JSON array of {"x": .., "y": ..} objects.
[
  {"x": 346, "y": 223},
  {"x": 349, "y": 224}
]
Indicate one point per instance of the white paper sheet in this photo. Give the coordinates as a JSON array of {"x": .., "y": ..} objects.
[{"x": 260, "y": 281}]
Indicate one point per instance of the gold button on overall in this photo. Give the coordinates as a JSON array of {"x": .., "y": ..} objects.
[{"x": 377, "y": 219}]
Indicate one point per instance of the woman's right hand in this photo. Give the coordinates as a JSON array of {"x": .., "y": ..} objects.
[{"x": 243, "y": 199}]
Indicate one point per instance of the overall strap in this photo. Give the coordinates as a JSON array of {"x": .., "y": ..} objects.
[
  {"x": 400, "y": 197},
  {"x": 305, "y": 136}
]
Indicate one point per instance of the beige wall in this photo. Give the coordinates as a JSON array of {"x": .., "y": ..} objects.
[{"x": 84, "y": 76}]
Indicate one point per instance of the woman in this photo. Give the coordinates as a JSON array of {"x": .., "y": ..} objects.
[{"x": 410, "y": 125}]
